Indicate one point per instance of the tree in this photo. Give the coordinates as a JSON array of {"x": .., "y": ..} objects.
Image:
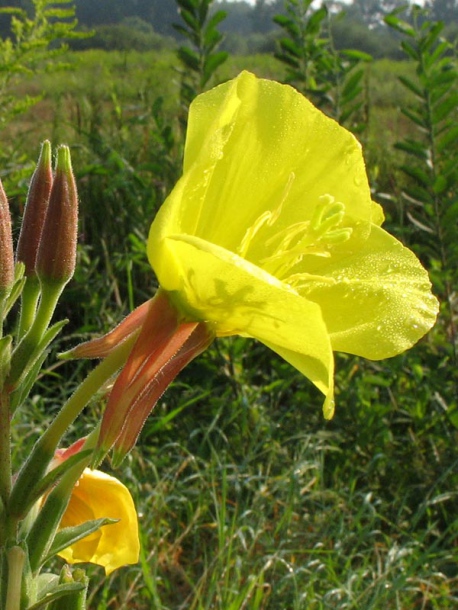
[{"x": 443, "y": 10}]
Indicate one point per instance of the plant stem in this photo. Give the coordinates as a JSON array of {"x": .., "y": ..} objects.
[
  {"x": 16, "y": 560},
  {"x": 87, "y": 390},
  {"x": 30, "y": 296},
  {"x": 5, "y": 459},
  {"x": 26, "y": 348}
]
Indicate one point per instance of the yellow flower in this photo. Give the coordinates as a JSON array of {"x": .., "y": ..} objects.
[
  {"x": 98, "y": 495},
  {"x": 271, "y": 233}
]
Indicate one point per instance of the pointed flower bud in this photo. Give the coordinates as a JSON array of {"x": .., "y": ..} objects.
[
  {"x": 35, "y": 211},
  {"x": 57, "y": 251},
  {"x": 6, "y": 246}
]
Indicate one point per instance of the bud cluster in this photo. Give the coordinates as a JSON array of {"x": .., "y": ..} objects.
[
  {"x": 47, "y": 242},
  {"x": 45, "y": 257}
]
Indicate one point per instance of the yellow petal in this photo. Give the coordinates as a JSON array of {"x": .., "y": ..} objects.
[
  {"x": 252, "y": 145},
  {"x": 235, "y": 297},
  {"x": 95, "y": 496},
  {"x": 381, "y": 302}
]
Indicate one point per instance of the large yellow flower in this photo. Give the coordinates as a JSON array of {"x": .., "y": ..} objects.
[
  {"x": 271, "y": 233},
  {"x": 98, "y": 495}
]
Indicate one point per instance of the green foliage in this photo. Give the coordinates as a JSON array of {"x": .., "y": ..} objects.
[
  {"x": 131, "y": 34},
  {"x": 333, "y": 79},
  {"x": 29, "y": 48},
  {"x": 431, "y": 192},
  {"x": 200, "y": 61},
  {"x": 247, "y": 498}
]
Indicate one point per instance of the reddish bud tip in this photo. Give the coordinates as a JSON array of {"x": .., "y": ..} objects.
[
  {"x": 6, "y": 245},
  {"x": 35, "y": 211},
  {"x": 56, "y": 256}
]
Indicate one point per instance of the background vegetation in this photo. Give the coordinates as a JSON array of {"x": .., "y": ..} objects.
[{"x": 247, "y": 498}]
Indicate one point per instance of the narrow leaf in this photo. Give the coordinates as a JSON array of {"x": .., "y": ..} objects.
[
  {"x": 411, "y": 86},
  {"x": 59, "y": 592},
  {"x": 70, "y": 535}
]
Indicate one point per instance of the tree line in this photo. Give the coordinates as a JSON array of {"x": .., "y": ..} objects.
[{"x": 247, "y": 28}]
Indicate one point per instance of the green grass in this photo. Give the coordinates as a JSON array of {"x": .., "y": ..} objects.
[{"x": 247, "y": 498}]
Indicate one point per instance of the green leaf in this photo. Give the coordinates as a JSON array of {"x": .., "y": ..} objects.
[
  {"x": 217, "y": 18},
  {"x": 314, "y": 23},
  {"x": 282, "y": 21},
  {"x": 190, "y": 20},
  {"x": 287, "y": 59},
  {"x": 5, "y": 355},
  {"x": 347, "y": 113},
  {"x": 437, "y": 53},
  {"x": 24, "y": 496},
  {"x": 410, "y": 50},
  {"x": 189, "y": 5},
  {"x": 290, "y": 47},
  {"x": 351, "y": 85},
  {"x": 38, "y": 353},
  {"x": 417, "y": 193},
  {"x": 415, "y": 117},
  {"x": 443, "y": 77},
  {"x": 212, "y": 63},
  {"x": 59, "y": 592},
  {"x": 70, "y": 535},
  {"x": 399, "y": 25},
  {"x": 440, "y": 185},
  {"x": 189, "y": 58},
  {"x": 445, "y": 108},
  {"x": 418, "y": 174},
  {"x": 355, "y": 54},
  {"x": 411, "y": 86},
  {"x": 429, "y": 40},
  {"x": 450, "y": 136}
]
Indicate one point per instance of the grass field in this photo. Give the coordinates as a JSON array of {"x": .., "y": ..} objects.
[{"x": 247, "y": 498}]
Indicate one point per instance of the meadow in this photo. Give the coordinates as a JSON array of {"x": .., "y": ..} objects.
[{"x": 247, "y": 497}]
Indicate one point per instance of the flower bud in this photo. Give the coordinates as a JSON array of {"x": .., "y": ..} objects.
[
  {"x": 6, "y": 245},
  {"x": 35, "y": 211},
  {"x": 57, "y": 251}
]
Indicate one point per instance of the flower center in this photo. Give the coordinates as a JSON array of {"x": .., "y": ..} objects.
[{"x": 284, "y": 249}]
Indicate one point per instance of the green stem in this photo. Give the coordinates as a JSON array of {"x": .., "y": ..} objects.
[
  {"x": 29, "y": 301},
  {"x": 16, "y": 560},
  {"x": 21, "y": 359},
  {"x": 87, "y": 390},
  {"x": 5, "y": 459}
]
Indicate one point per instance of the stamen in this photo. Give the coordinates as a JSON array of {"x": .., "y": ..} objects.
[
  {"x": 288, "y": 246},
  {"x": 269, "y": 218}
]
